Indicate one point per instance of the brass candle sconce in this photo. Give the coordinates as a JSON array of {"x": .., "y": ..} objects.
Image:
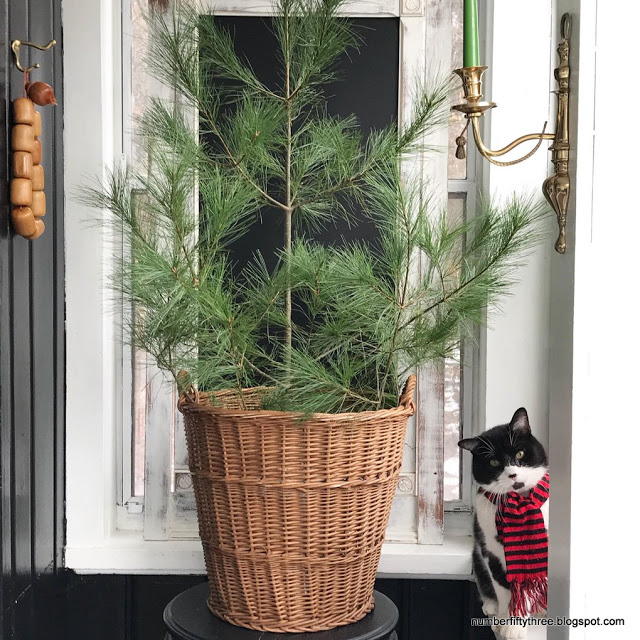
[{"x": 555, "y": 188}]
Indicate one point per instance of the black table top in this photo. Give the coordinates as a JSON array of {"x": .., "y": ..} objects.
[{"x": 188, "y": 618}]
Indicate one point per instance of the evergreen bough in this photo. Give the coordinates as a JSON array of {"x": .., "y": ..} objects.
[{"x": 329, "y": 329}]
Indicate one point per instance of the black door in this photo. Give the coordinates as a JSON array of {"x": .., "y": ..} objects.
[{"x": 31, "y": 347}]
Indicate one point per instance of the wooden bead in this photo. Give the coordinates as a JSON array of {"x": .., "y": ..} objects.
[
  {"x": 21, "y": 192},
  {"x": 39, "y": 230},
  {"x": 38, "y": 204},
  {"x": 37, "y": 179},
  {"x": 36, "y": 154},
  {"x": 22, "y": 165},
  {"x": 22, "y": 137},
  {"x": 23, "y": 111},
  {"x": 37, "y": 124},
  {"x": 41, "y": 93},
  {"x": 23, "y": 221}
]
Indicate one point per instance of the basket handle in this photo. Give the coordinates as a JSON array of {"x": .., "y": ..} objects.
[{"x": 406, "y": 397}]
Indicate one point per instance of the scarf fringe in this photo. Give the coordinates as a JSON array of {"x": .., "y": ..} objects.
[{"x": 528, "y": 596}]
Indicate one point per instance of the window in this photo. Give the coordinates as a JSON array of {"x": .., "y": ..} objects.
[
  {"x": 155, "y": 467},
  {"x": 105, "y": 519},
  {"x": 459, "y": 401}
]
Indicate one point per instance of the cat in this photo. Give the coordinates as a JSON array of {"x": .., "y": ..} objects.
[{"x": 506, "y": 458}]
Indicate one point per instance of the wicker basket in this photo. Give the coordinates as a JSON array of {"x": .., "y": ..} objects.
[{"x": 292, "y": 515}]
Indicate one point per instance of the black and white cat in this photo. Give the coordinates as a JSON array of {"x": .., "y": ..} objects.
[{"x": 505, "y": 458}]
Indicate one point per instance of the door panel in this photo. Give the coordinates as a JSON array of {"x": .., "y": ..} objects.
[{"x": 31, "y": 345}]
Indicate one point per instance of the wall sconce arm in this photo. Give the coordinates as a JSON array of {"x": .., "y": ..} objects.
[{"x": 490, "y": 154}]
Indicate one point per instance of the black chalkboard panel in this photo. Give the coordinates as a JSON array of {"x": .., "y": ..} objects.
[{"x": 368, "y": 88}]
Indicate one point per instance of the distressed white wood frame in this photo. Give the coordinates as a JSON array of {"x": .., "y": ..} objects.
[
  {"x": 471, "y": 353},
  {"x": 418, "y": 512}
]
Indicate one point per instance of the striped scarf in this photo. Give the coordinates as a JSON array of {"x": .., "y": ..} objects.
[{"x": 521, "y": 530}]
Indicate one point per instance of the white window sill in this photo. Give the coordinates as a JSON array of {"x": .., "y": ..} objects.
[
  {"x": 451, "y": 559},
  {"x": 127, "y": 553}
]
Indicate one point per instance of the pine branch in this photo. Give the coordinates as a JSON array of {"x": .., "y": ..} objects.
[
  {"x": 328, "y": 328},
  {"x": 236, "y": 163},
  {"x": 520, "y": 230},
  {"x": 403, "y": 297}
]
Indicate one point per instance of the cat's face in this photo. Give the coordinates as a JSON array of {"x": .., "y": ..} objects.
[{"x": 507, "y": 458}]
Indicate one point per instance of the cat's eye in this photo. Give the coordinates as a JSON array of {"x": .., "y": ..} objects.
[
  {"x": 519, "y": 455},
  {"x": 494, "y": 463}
]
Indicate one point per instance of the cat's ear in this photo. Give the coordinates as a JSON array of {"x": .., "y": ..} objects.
[
  {"x": 469, "y": 444},
  {"x": 520, "y": 421}
]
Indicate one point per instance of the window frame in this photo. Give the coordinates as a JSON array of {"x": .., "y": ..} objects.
[
  {"x": 471, "y": 354},
  {"x": 169, "y": 514}
]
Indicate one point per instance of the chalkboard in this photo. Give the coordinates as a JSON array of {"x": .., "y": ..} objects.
[{"x": 368, "y": 88}]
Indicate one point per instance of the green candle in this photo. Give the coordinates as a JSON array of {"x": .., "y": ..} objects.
[{"x": 471, "y": 56}]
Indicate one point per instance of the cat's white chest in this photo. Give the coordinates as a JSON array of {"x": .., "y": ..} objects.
[{"x": 486, "y": 516}]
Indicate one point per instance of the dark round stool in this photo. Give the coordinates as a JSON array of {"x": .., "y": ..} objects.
[{"x": 187, "y": 618}]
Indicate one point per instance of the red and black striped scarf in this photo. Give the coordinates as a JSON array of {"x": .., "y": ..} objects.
[{"x": 522, "y": 531}]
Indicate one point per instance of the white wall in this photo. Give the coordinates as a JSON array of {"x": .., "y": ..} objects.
[
  {"x": 517, "y": 341},
  {"x": 594, "y": 563}
]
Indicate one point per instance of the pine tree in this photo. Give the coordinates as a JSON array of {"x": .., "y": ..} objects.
[{"x": 330, "y": 328}]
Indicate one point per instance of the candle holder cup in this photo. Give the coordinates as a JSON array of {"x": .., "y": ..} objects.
[
  {"x": 556, "y": 188},
  {"x": 472, "y": 85}
]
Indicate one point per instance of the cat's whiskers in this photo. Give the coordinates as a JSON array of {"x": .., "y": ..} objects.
[
  {"x": 500, "y": 490},
  {"x": 502, "y": 498},
  {"x": 510, "y": 432},
  {"x": 487, "y": 443}
]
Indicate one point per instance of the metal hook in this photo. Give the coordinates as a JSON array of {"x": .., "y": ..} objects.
[{"x": 15, "y": 46}]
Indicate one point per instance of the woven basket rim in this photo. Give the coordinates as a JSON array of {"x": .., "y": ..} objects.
[{"x": 198, "y": 401}]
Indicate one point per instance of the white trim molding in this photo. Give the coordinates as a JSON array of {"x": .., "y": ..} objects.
[
  {"x": 127, "y": 553},
  {"x": 594, "y": 350},
  {"x": 93, "y": 401},
  {"x": 354, "y": 9}
]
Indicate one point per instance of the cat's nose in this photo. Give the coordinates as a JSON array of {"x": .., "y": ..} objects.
[{"x": 513, "y": 475}]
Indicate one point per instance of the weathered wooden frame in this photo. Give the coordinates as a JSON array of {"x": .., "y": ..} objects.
[{"x": 425, "y": 42}]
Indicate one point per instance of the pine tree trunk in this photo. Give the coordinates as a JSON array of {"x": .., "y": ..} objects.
[{"x": 288, "y": 210}]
